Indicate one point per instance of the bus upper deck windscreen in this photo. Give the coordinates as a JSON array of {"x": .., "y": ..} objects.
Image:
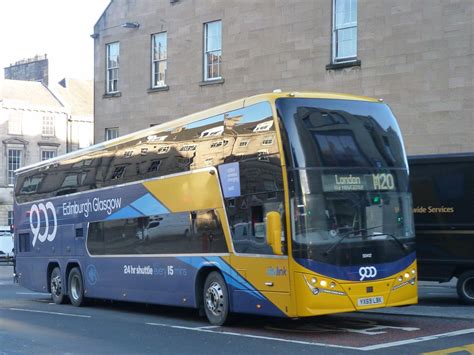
[{"x": 349, "y": 180}]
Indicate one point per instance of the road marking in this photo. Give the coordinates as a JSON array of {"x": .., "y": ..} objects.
[
  {"x": 365, "y": 348},
  {"x": 200, "y": 329},
  {"x": 469, "y": 348},
  {"x": 418, "y": 340},
  {"x": 55, "y": 313}
]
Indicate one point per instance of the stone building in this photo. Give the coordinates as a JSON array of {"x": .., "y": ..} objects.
[
  {"x": 38, "y": 123},
  {"x": 157, "y": 60},
  {"x": 31, "y": 69}
]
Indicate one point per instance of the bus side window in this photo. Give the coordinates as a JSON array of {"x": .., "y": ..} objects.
[{"x": 247, "y": 219}]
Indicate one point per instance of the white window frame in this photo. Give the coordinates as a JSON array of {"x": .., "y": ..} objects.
[
  {"x": 158, "y": 79},
  {"x": 15, "y": 123},
  {"x": 51, "y": 152},
  {"x": 10, "y": 167},
  {"x": 112, "y": 68},
  {"x": 212, "y": 51},
  {"x": 111, "y": 133},
  {"x": 338, "y": 28},
  {"x": 48, "y": 127}
]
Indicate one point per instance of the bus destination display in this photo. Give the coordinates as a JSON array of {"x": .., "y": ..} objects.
[{"x": 358, "y": 182}]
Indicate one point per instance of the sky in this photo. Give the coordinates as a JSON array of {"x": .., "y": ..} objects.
[{"x": 59, "y": 28}]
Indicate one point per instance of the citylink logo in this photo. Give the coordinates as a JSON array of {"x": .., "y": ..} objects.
[
  {"x": 37, "y": 212},
  {"x": 367, "y": 272}
]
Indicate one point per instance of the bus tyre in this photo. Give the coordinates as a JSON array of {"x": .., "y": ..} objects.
[
  {"x": 56, "y": 285},
  {"x": 465, "y": 287},
  {"x": 76, "y": 288},
  {"x": 216, "y": 299}
]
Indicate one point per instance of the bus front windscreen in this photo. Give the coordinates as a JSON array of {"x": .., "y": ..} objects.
[{"x": 350, "y": 199}]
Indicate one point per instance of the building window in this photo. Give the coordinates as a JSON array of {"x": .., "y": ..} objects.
[
  {"x": 48, "y": 126},
  {"x": 163, "y": 150},
  {"x": 267, "y": 140},
  {"x": 113, "y": 51},
  {"x": 159, "y": 64},
  {"x": 118, "y": 173},
  {"x": 344, "y": 30},
  {"x": 47, "y": 154},
  {"x": 14, "y": 163},
  {"x": 111, "y": 133},
  {"x": 212, "y": 50},
  {"x": 154, "y": 166},
  {"x": 188, "y": 148},
  {"x": 15, "y": 124},
  {"x": 10, "y": 220}
]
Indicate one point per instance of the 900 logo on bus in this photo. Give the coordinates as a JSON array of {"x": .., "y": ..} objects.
[
  {"x": 37, "y": 213},
  {"x": 367, "y": 272}
]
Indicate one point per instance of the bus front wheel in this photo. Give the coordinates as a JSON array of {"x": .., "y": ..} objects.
[
  {"x": 216, "y": 299},
  {"x": 465, "y": 287},
  {"x": 76, "y": 287},
  {"x": 56, "y": 285}
]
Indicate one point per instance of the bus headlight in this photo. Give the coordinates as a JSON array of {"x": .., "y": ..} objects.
[
  {"x": 314, "y": 280},
  {"x": 407, "y": 275},
  {"x": 323, "y": 283},
  {"x": 400, "y": 278}
]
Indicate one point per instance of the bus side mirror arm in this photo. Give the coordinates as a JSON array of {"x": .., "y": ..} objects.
[{"x": 273, "y": 232}]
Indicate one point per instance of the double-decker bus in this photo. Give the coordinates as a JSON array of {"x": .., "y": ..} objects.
[{"x": 281, "y": 204}]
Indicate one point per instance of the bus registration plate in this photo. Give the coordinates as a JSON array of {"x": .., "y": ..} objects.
[{"x": 368, "y": 301}]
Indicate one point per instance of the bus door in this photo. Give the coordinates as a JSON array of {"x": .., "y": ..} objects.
[
  {"x": 252, "y": 184},
  {"x": 260, "y": 268}
]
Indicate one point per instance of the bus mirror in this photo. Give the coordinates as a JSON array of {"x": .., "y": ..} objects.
[{"x": 274, "y": 232}]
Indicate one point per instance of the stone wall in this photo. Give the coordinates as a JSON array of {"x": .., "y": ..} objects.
[{"x": 415, "y": 54}]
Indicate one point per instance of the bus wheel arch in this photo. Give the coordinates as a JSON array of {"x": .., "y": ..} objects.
[
  {"x": 465, "y": 287},
  {"x": 56, "y": 284},
  {"x": 199, "y": 284},
  {"x": 76, "y": 286}
]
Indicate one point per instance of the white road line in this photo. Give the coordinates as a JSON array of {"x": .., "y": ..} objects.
[
  {"x": 366, "y": 348},
  {"x": 55, "y": 313},
  {"x": 34, "y": 293},
  {"x": 253, "y": 336},
  {"x": 417, "y": 340}
]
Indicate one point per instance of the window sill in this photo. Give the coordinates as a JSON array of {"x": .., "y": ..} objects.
[
  {"x": 111, "y": 95},
  {"x": 212, "y": 82},
  {"x": 158, "y": 89},
  {"x": 49, "y": 144},
  {"x": 335, "y": 66}
]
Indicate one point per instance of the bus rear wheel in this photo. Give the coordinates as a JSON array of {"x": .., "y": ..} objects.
[
  {"x": 216, "y": 299},
  {"x": 76, "y": 288},
  {"x": 56, "y": 285},
  {"x": 465, "y": 287}
]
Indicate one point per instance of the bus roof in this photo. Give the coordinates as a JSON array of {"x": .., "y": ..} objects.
[{"x": 230, "y": 106}]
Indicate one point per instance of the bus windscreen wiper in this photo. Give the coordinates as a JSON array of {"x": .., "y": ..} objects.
[
  {"x": 399, "y": 242},
  {"x": 326, "y": 253}
]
